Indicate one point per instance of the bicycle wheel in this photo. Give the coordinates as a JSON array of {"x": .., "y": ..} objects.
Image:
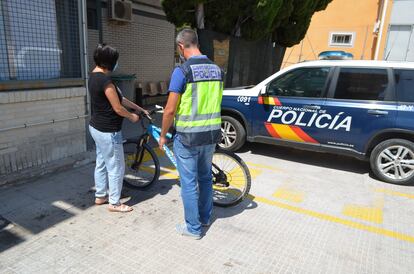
[
  {"x": 142, "y": 167},
  {"x": 231, "y": 179}
]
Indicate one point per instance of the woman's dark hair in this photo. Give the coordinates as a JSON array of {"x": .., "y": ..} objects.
[{"x": 105, "y": 56}]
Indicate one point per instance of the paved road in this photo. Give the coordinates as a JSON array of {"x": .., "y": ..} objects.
[{"x": 308, "y": 213}]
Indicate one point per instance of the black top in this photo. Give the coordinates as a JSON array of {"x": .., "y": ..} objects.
[{"x": 103, "y": 117}]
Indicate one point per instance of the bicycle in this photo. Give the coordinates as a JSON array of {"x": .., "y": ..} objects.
[{"x": 231, "y": 176}]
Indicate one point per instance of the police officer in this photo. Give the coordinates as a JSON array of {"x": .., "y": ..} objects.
[{"x": 194, "y": 101}]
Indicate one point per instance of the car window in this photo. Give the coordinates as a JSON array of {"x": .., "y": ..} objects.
[
  {"x": 303, "y": 82},
  {"x": 362, "y": 84},
  {"x": 404, "y": 85}
]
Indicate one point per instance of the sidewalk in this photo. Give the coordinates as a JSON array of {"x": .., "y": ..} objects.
[
  {"x": 296, "y": 222},
  {"x": 54, "y": 227}
]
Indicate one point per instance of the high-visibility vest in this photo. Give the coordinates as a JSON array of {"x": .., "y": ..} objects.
[{"x": 198, "y": 117}]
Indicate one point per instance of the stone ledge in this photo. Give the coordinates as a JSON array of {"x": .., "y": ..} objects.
[{"x": 11, "y": 97}]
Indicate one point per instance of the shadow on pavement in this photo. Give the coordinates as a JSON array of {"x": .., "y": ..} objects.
[
  {"x": 36, "y": 206},
  {"x": 162, "y": 187},
  {"x": 228, "y": 212},
  {"x": 319, "y": 159},
  {"x": 33, "y": 207}
]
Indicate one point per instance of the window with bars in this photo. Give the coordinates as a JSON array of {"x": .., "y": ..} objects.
[
  {"x": 39, "y": 40},
  {"x": 342, "y": 39}
]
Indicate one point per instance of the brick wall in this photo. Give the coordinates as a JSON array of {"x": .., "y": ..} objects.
[
  {"x": 93, "y": 40},
  {"x": 146, "y": 45},
  {"x": 39, "y": 145}
]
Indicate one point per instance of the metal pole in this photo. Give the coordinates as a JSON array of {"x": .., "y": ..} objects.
[
  {"x": 301, "y": 49},
  {"x": 99, "y": 18},
  {"x": 365, "y": 44},
  {"x": 89, "y": 141},
  {"x": 11, "y": 51},
  {"x": 384, "y": 14}
]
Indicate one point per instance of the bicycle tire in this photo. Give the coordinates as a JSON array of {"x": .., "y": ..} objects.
[
  {"x": 239, "y": 195},
  {"x": 132, "y": 177}
]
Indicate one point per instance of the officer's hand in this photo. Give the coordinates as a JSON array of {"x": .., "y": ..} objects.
[{"x": 162, "y": 142}]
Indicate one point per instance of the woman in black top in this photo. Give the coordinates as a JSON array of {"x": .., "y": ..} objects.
[{"x": 107, "y": 112}]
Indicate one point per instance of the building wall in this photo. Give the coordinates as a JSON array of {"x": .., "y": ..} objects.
[
  {"x": 399, "y": 43},
  {"x": 93, "y": 40},
  {"x": 353, "y": 16},
  {"x": 39, "y": 145},
  {"x": 146, "y": 45}
]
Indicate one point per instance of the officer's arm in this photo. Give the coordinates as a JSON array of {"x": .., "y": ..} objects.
[{"x": 169, "y": 112}]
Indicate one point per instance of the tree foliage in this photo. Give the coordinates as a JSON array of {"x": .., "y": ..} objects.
[{"x": 285, "y": 20}]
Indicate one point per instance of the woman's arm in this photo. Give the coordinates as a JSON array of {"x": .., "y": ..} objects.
[
  {"x": 113, "y": 98},
  {"x": 127, "y": 103}
]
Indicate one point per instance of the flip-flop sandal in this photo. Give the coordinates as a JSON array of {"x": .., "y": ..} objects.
[
  {"x": 101, "y": 201},
  {"x": 120, "y": 208}
]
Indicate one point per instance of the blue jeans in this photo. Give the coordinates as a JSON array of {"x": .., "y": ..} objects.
[
  {"x": 194, "y": 166},
  {"x": 110, "y": 165}
]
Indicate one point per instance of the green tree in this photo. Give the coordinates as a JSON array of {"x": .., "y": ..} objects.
[{"x": 287, "y": 21}]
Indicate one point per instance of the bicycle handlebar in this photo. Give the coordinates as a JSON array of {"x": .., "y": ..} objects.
[{"x": 157, "y": 108}]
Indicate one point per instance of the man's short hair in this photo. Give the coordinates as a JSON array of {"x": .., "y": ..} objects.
[
  {"x": 105, "y": 56},
  {"x": 187, "y": 37}
]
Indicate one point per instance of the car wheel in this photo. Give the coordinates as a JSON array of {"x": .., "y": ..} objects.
[
  {"x": 233, "y": 134},
  {"x": 392, "y": 161}
]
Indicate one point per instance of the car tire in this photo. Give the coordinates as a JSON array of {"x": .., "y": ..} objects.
[
  {"x": 233, "y": 134},
  {"x": 392, "y": 161}
]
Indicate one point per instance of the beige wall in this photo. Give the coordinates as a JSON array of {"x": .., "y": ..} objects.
[
  {"x": 146, "y": 44},
  {"x": 40, "y": 143},
  {"x": 353, "y": 16}
]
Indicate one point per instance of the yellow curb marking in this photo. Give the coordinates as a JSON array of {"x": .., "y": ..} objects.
[{"x": 334, "y": 219}]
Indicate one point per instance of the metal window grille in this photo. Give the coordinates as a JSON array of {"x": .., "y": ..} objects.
[
  {"x": 39, "y": 39},
  {"x": 342, "y": 39}
]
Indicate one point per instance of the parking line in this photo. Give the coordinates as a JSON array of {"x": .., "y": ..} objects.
[
  {"x": 371, "y": 213},
  {"x": 289, "y": 195},
  {"x": 334, "y": 219},
  {"x": 365, "y": 213},
  {"x": 395, "y": 193},
  {"x": 272, "y": 168}
]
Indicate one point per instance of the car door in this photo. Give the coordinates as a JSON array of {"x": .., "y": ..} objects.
[
  {"x": 364, "y": 102},
  {"x": 404, "y": 87},
  {"x": 290, "y": 105}
]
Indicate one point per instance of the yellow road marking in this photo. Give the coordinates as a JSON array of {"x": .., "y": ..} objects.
[
  {"x": 289, "y": 195},
  {"x": 272, "y": 168},
  {"x": 372, "y": 213},
  {"x": 395, "y": 193},
  {"x": 169, "y": 175},
  {"x": 366, "y": 213},
  {"x": 334, "y": 219}
]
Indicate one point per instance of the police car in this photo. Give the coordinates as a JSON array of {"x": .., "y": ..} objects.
[{"x": 359, "y": 108}]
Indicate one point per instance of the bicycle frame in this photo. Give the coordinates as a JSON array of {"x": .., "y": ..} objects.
[{"x": 155, "y": 132}]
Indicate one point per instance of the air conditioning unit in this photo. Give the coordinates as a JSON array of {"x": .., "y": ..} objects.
[{"x": 120, "y": 10}]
